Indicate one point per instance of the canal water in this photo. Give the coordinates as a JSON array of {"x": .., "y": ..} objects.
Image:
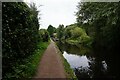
[{"x": 84, "y": 63}]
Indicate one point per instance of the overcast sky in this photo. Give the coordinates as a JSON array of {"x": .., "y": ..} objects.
[{"x": 56, "y": 12}]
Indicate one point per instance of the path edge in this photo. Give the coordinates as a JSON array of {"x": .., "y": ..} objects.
[{"x": 69, "y": 73}]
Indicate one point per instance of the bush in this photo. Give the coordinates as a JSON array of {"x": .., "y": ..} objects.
[
  {"x": 44, "y": 35},
  {"x": 20, "y": 33}
]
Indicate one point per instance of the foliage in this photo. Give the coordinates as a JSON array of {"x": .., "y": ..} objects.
[
  {"x": 60, "y": 31},
  {"x": 76, "y": 35},
  {"x": 44, "y": 34},
  {"x": 28, "y": 68},
  {"x": 20, "y": 33},
  {"x": 103, "y": 21},
  {"x": 76, "y": 32},
  {"x": 51, "y": 30}
]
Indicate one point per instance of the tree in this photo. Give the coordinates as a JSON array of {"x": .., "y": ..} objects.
[
  {"x": 44, "y": 35},
  {"x": 103, "y": 22},
  {"x": 51, "y": 30},
  {"x": 60, "y": 31},
  {"x": 76, "y": 35}
]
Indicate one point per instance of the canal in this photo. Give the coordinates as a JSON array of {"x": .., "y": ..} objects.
[{"x": 85, "y": 63}]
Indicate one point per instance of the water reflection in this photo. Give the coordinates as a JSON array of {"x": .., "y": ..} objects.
[
  {"x": 75, "y": 60},
  {"x": 86, "y": 64},
  {"x": 80, "y": 65}
]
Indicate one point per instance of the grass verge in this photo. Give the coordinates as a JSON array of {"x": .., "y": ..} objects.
[
  {"x": 68, "y": 71},
  {"x": 28, "y": 68}
]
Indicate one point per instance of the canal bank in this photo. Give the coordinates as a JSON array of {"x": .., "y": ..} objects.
[{"x": 68, "y": 70}]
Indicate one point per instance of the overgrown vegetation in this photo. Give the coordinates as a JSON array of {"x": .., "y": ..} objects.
[
  {"x": 28, "y": 67},
  {"x": 20, "y": 37}
]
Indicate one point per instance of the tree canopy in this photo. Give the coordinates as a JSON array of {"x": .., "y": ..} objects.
[
  {"x": 60, "y": 31},
  {"x": 44, "y": 34},
  {"x": 51, "y": 30},
  {"x": 102, "y": 20}
]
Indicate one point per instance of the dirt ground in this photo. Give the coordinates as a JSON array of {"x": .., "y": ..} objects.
[{"x": 51, "y": 65}]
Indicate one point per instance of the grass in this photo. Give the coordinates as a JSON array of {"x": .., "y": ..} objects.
[
  {"x": 69, "y": 72},
  {"x": 28, "y": 68}
]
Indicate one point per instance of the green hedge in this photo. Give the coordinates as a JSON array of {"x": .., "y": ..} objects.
[{"x": 19, "y": 33}]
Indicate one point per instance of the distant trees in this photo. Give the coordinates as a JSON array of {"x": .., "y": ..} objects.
[
  {"x": 76, "y": 35},
  {"x": 44, "y": 34},
  {"x": 73, "y": 34},
  {"x": 51, "y": 30},
  {"x": 20, "y": 33},
  {"x": 60, "y": 31}
]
